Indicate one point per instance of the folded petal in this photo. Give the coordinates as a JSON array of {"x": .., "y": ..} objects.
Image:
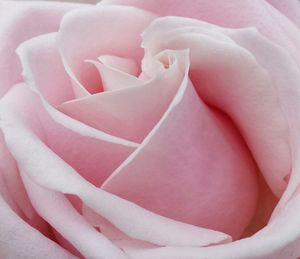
[
  {"x": 90, "y": 33},
  {"x": 20, "y": 240},
  {"x": 117, "y": 73},
  {"x": 197, "y": 167},
  {"x": 14, "y": 17},
  {"x": 132, "y": 112},
  {"x": 231, "y": 13},
  {"x": 59, "y": 213},
  {"x": 286, "y": 76},
  {"x": 228, "y": 77},
  {"x": 280, "y": 239},
  {"x": 12, "y": 182},
  {"x": 44, "y": 167},
  {"x": 43, "y": 68},
  {"x": 290, "y": 8}
]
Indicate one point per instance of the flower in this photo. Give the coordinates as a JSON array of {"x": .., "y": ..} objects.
[{"x": 149, "y": 129}]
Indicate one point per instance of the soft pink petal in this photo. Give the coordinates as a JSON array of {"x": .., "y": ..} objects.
[
  {"x": 46, "y": 168},
  {"x": 192, "y": 167},
  {"x": 83, "y": 148},
  {"x": 129, "y": 113},
  {"x": 291, "y": 8},
  {"x": 117, "y": 73},
  {"x": 20, "y": 240},
  {"x": 59, "y": 213},
  {"x": 286, "y": 77},
  {"x": 13, "y": 183},
  {"x": 125, "y": 65},
  {"x": 14, "y": 17},
  {"x": 91, "y": 32},
  {"x": 43, "y": 68},
  {"x": 14, "y": 193},
  {"x": 280, "y": 239},
  {"x": 229, "y": 13},
  {"x": 228, "y": 77},
  {"x": 266, "y": 203}
]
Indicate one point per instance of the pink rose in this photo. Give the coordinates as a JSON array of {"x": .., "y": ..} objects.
[{"x": 150, "y": 129}]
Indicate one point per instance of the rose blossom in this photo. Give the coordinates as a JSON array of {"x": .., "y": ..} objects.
[{"x": 150, "y": 129}]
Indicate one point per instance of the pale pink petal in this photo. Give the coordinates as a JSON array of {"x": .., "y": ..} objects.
[
  {"x": 117, "y": 73},
  {"x": 46, "y": 168},
  {"x": 291, "y": 8},
  {"x": 83, "y": 148},
  {"x": 125, "y": 65},
  {"x": 43, "y": 68},
  {"x": 91, "y": 32},
  {"x": 14, "y": 193},
  {"x": 193, "y": 167},
  {"x": 11, "y": 179},
  {"x": 266, "y": 203},
  {"x": 14, "y": 17},
  {"x": 228, "y": 77},
  {"x": 20, "y": 240},
  {"x": 129, "y": 113},
  {"x": 286, "y": 77},
  {"x": 280, "y": 239},
  {"x": 59, "y": 213},
  {"x": 229, "y": 13}
]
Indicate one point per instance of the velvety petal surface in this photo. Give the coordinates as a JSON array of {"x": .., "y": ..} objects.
[
  {"x": 14, "y": 17},
  {"x": 43, "y": 68},
  {"x": 191, "y": 154},
  {"x": 286, "y": 76},
  {"x": 231, "y": 13},
  {"x": 60, "y": 214},
  {"x": 44, "y": 167},
  {"x": 117, "y": 73},
  {"x": 291, "y": 8},
  {"x": 19, "y": 240},
  {"x": 99, "y": 31},
  {"x": 228, "y": 77},
  {"x": 279, "y": 240},
  {"x": 281, "y": 237},
  {"x": 132, "y": 112}
]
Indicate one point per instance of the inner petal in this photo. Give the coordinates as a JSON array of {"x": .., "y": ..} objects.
[
  {"x": 228, "y": 77},
  {"x": 131, "y": 112},
  {"x": 193, "y": 167},
  {"x": 90, "y": 33},
  {"x": 117, "y": 73}
]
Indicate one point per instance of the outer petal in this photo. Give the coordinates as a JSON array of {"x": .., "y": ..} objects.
[
  {"x": 130, "y": 113},
  {"x": 90, "y": 33},
  {"x": 291, "y": 8},
  {"x": 20, "y": 240},
  {"x": 228, "y": 77},
  {"x": 14, "y": 17},
  {"x": 197, "y": 167},
  {"x": 14, "y": 193},
  {"x": 231, "y": 13},
  {"x": 281, "y": 237},
  {"x": 47, "y": 169},
  {"x": 117, "y": 73},
  {"x": 286, "y": 77},
  {"x": 279, "y": 240},
  {"x": 59, "y": 213},
  {"x": 43, "y": 68}
]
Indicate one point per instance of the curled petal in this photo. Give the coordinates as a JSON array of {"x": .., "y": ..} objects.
[
  {"x": 43, "y": 68},
  {"x": 14, "y": 17},
  {"x": 99, "y": 32},
  {"x": 228, "y": 77},
  {"x": 19, "y": 240},
  {"x": 47, "y": 169}
]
